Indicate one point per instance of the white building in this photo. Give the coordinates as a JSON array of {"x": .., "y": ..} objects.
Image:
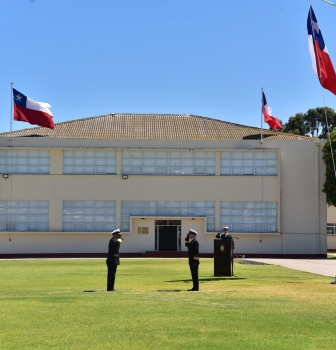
[
  {"x": 331, "y": 228},
  {"x": 155, "y": 176}
]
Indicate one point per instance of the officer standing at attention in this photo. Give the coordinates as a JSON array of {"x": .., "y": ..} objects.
[
  {"x": 112, "y": 260},
  {"x": 193, "y": 251}
]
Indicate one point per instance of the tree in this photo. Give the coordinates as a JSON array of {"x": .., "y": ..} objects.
[
  {"x": 295, "y": 125},
  {"x": 315, "y": 121},
  {"x": 312, "y": 123},
  {"x": 329, "y": 186}
]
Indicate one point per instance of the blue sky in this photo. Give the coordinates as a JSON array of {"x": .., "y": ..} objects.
[{"x": 204, "y": 57}]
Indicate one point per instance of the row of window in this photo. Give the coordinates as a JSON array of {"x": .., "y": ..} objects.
[
  {"x": 141, "y": 162},
  {"x": 249, "y": 216},
  {"x": 172, "y": 163},
  {"x": 89, "y": 162},
  {"x": 24, "y": 215},
  {"x": 13, "y": 161},
  {"x": 101, "y": 215},
  {"x": 89, "y": 216},
  {"x": 167, "y": 208}
]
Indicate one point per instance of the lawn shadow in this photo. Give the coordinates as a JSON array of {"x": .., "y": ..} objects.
[
  {"x": 209, "y": 279},
  {"x": 170, "y": 290},
  {"x": 89, "y": 291}
]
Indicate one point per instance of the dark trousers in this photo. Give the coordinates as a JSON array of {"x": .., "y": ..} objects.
[
  {"x": 194, "y": 276},
  {"x": 111, "y": 272}
]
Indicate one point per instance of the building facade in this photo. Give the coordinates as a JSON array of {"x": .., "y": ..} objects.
[{"x": 63, "y": 191}]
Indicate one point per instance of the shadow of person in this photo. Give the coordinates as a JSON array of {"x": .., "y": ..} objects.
[{"x": 209, "y": 279}]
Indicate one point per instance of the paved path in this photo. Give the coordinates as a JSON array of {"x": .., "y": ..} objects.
[{"x": 325, "y": 267}]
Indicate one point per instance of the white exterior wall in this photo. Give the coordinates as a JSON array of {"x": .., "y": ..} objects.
[{"x": 297, "y": 189}]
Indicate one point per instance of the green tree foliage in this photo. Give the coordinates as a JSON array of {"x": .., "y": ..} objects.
[
  {"x": 315, "y": 121},
  {"x": 329, "y": 186},
  {"x": 295, "y": 125},
  {"x": 312, "y": 123}
]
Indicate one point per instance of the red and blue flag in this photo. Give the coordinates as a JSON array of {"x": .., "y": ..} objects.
[
  {"x": 321, "y": 61},
  {"x": 268, "y": 118}
]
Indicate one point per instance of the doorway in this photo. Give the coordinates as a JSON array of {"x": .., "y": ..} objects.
[{"x": 168, "y": 235}]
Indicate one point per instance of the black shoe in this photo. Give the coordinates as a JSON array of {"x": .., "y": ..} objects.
[
  {"x": 192, "y": 290},
  {"x": 110, "y": 290}
]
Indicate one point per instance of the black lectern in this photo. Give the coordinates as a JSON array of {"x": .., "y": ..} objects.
[{"x": 223, "y": 257}]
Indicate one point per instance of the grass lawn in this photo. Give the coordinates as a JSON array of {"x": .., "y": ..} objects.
[{"x": 62, "y": 304}]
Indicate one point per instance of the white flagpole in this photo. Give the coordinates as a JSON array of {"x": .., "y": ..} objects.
[
  {"x": 319, "y": 78},
  {"x": 261, "y": 115},
  {"x": 11, "y": 116},
  {"x": 329, "y": 2}
]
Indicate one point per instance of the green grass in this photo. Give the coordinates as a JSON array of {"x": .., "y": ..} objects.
[{"x": 62, "y": 304}]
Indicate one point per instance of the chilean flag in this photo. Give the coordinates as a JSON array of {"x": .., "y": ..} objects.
[
  {"x": 30, "y": 111},
  {"x": 321, "y": 61},
  {"x": 268, "y": 118}
]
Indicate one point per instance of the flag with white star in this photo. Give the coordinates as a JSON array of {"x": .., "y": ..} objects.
[{"x": 32, "y": 112}]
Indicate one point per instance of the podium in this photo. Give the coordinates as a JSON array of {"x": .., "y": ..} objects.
[{"x": 223, "y": 257}]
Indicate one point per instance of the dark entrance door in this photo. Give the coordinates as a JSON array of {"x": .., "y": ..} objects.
[{"x": 167, "y": 237}]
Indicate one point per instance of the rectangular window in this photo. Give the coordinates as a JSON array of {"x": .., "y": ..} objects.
[
  {"x": 24, "y": 215},
  {"x": 168, "y": 163},
  {"x": 331, "y": 229},
  {"x": 248, "y": 163},
  {"x": 24, "y": 161},
  {"x": 89, "y": 216},
  {"x": 249, "y": 216},
  {"x": 89, "y": 162},
  {"x": 167, "y": 208}
]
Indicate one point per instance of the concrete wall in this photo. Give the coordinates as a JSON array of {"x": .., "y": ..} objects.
[{"x": 297, "y": 189}]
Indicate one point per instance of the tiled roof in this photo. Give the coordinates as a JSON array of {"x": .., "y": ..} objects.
[{"x": 153, "y": 126}]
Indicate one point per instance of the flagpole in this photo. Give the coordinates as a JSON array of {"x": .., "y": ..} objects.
[
  {"x": 11, "y": 116},
  {"x": 261, "y": 117},
  {"x": 318, "y": 64}
]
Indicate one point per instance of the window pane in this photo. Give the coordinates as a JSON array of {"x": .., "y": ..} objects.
[
  {"x": 225, "y": 155},
  {"x": 149, "y": 170},
  {"x": 237, "y": 219},
  {"x": 124, "y": 207},
  {"x": 162, "y": 162},
  {"x": 237, "y": 155},
  {"x": 248, "y": 155},
  {"x": 236, "y": 171},
  {"x": 136, "y": 170},
  {"x": 161, "y": 170},
  {"x": 271, "y": 155},
  {"x": 149, "y": 162}
]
